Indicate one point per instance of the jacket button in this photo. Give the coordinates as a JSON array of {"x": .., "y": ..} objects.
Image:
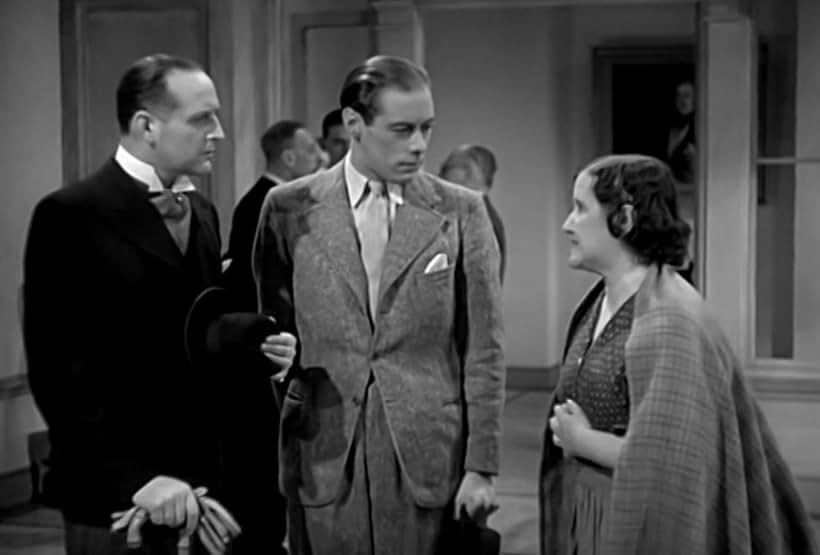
[{"x": 357, "y": 401}]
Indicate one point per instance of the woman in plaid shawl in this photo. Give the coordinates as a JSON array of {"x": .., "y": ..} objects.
[{"x": 654, "y": 443}]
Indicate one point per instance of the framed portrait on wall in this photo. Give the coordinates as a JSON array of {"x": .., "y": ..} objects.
[{"x": 639, "y": 90}]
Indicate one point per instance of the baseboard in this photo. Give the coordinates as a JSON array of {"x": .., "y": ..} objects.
[
  {"x": 539, "y": 378},
  {"x": 15, "y": 488}
]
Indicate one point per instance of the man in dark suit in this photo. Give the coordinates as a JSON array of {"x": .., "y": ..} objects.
[
  {"x": 112, "y": 265},
  {"x": 335, "y": 139},
  {"x": 474, "y": 167},
  {"x": 290, "y": 152},
  {"x": 389, "y": 276}
]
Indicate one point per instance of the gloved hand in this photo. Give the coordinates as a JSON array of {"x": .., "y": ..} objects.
[{"x": 215, "y": 527}]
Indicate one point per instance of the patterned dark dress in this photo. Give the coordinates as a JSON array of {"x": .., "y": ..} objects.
[{"x": 594, "y": 376}]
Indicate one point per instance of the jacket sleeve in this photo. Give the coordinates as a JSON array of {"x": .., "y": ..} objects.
[
  {"x": 481, "y": 320},
  {"x": 67, "y": 377},
  {"x": 273, "y": 269}
]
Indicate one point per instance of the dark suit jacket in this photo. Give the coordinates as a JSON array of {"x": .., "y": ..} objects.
[
  {"x": 435, "y": 349},
  {"x": 106, "y": 292},
  {"x": 238, "y": 276},
  {"x": 252, "y": 419}
]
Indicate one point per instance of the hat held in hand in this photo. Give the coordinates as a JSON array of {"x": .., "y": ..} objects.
[{"x": 215, "y": 328}]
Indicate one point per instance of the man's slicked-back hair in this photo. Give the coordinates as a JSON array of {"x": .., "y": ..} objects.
[
  {"x": 658, "y": 235},
  {"x": 144, "y": 85},
  {"x": 278, "y": 138},
  {"x": 365, "y": 82}
]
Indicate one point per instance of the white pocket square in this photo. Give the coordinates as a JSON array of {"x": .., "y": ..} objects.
[{"x": 439, "y": 262}]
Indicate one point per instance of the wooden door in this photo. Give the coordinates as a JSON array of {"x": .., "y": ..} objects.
[{"x": 99, "y": 40}]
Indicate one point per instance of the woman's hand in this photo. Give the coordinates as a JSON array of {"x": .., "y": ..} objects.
[{"x": 568, "y": 424}]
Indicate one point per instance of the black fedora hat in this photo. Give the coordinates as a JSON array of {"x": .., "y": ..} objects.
[
  {"x": 467, "y": 537},
  {"x": 216, "y": 326}
]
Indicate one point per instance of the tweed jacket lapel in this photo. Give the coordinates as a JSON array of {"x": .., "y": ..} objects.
[
  {"x": 335, "y": 229},
  {"x": 415, "y": 226}
]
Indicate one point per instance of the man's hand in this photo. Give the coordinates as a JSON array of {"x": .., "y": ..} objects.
[
  {"x": 169, "y": 502},
  {"x": 476, "y": 496},
  {"x": 280, "y": 350}
]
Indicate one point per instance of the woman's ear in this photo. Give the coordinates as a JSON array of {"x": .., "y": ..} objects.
[{"x": 625, "y": 219}]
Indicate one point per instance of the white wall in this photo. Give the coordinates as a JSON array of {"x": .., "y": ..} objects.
[
  {"x": 292, "y": 8},
  {"x": 490, "y": 89},
  {"x": 31, "y": 158},
  {"x": 520, "y": 81},
  {"x": 331, "y": 52}
]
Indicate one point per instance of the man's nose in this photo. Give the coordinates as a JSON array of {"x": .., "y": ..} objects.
[
  {"x": 418, "y": 143},
  {"x": 565, "y": 227},
  {"x": 218, "y": 133}
]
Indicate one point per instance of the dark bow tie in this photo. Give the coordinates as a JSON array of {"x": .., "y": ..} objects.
[{"x": 170, "y": 205}]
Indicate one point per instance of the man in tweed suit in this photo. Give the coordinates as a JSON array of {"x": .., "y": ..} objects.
[
  {"x": 662, "y": 449},
  {"x": 389, "y": 278}
]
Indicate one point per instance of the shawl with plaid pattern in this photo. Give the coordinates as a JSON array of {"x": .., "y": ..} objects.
[{"x": 700, "y": 471}]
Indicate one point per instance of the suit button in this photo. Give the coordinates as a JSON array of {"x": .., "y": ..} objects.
[{"x": 357, "y": 401}]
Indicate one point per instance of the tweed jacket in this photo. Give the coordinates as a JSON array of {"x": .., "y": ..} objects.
[
  {"x": 700, "y": 471},
  {"x": 434, "y": 349}
]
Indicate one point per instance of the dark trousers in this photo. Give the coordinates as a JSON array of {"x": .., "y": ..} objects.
[
  {"x": 250, "y": 463},
  {"x": 375, "y": 512},
  {"x": 83, "y": 539}
]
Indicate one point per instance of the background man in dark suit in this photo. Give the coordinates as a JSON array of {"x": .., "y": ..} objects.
[
  {"x": 112, "y": 265},
  {"x": 391, "y": 423},
  {"x": 290, "y": 152},
  {"x": 335, "y": 139},
  {"x": 474, "y": 166}
]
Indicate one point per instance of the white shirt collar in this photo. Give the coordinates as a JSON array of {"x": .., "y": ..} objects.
[
  {"x": 275, "y": 178},
  {"x": 145, "y": 173},
  {"x": 356, "y": 181}
]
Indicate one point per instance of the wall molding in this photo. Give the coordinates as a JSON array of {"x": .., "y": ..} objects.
[
  {"x": 535, "y": 378},
  {"x": 784, "y": 383},
  {"x": 12, "y": 387},
  {"x": 430, "y": 5}
]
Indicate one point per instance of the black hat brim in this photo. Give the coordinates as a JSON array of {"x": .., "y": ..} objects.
[{"x": 209, "y": 305}]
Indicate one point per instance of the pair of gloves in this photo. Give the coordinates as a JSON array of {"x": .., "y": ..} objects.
[{"x": 216, "y": 527}]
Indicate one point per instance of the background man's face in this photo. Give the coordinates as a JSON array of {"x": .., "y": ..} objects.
[
  {"x": 336, "y": 143},
  {"x": 307, "y": 154},
  {"x": 685, "y": 98},
  {"x": 467, "y": 173}
]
